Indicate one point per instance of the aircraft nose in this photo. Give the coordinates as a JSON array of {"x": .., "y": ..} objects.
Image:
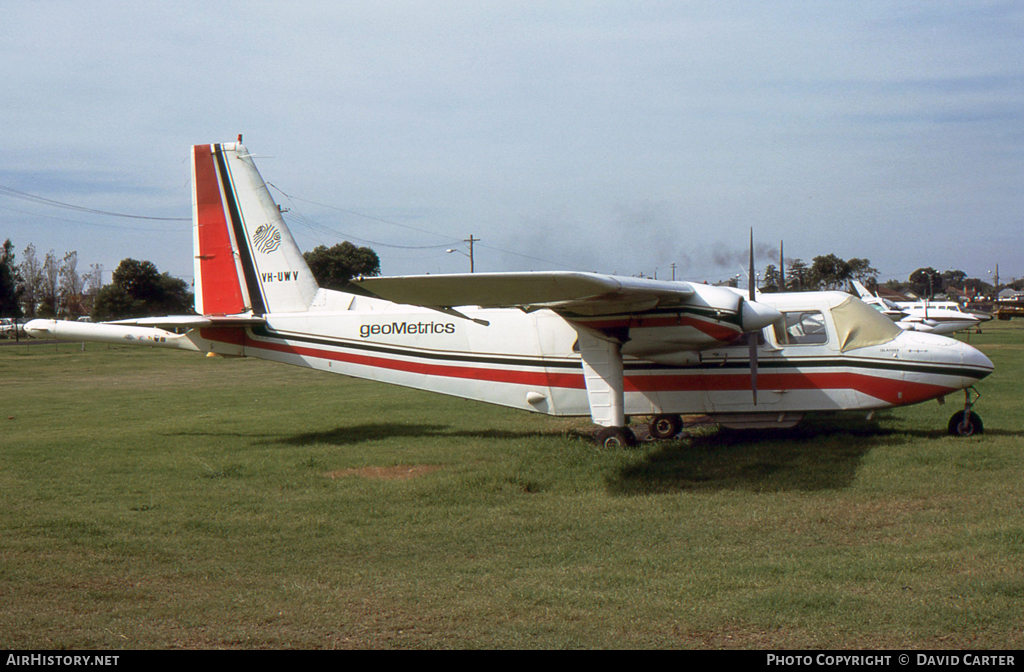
[
  {"x": 756, "y": 316},
  {"x": 976, "y": 360}
]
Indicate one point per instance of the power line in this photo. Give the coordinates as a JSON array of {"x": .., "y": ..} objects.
[
  {"x": 359, "y": 214},
  {"x": 78, "y": 221},
  {"x": 14, "y": 193},
  {"x": 324, "y": 229},
  {"x": 526, "y": 256},
  {"x": 298, "y": 217},
  {"x": 311, "y": 224}
]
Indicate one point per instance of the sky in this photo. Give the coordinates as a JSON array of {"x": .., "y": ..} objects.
[{"x": 617, "y": 137}]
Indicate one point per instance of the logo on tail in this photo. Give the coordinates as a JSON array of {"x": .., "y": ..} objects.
[{"x": 267, "y": 238}]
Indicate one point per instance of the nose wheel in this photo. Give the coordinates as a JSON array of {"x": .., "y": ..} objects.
[
  {"x": 665, "y": 426},
  {"x": 966, "y": 422},
  {"x": 616, "y": 437}
]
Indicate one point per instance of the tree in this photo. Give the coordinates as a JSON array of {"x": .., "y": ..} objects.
[
  {"x": 48, "y": 297},
  {"x": 333, "y": 267},
  {"x": 797, "y": 276},
  {"x": 926, "y": 281},
  {"x": 113, "y": 303},
  {"x": 977, "y": 286},
  {"x": 93, "y": 281},
  {"x": 953, "y": 278},
  {"x": 771, "y": 279},
  {"x": 138, "y": 289},
  {"x": 9, "y": 305},
  {"x": 71, "y": 284},
  {"x": 862, "y": 271},
  {"x": 31, "y": 284},
  {"x": 829, "y": 272}
]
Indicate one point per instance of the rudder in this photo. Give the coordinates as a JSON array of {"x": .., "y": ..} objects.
[{"x": 245, "y": 257}]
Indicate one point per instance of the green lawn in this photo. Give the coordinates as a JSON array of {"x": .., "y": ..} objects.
[{"x": 154, "y": 499}]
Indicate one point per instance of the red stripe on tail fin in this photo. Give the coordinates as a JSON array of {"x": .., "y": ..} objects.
[{"x": 218, "y": 286}]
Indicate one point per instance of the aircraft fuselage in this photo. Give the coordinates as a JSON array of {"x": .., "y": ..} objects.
[{"x": 530, "y": 360}]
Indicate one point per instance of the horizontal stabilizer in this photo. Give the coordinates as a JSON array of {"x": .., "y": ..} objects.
[
  {"x": 563, "y": 291},
  {"x": 105, "y": 332}
]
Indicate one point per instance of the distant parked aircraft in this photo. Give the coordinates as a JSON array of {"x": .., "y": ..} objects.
[{"x": 944, "y": 317}]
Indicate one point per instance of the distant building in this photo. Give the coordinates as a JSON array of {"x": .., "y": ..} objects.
[
  {"x": 1011, "y": 294},
  {"x": 959, "y": 295}
]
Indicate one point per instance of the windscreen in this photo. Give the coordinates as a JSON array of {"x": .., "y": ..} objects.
[{"x": 858, "y": 325}]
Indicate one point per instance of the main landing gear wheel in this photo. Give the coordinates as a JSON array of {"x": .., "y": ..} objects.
[
  {"x": 965, "y": 423},
  {"x": 665, "y": 426},
  {"x": 616, "y": 437}
]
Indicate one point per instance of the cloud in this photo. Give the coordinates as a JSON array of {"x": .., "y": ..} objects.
[{"x": 591, "y": 135}]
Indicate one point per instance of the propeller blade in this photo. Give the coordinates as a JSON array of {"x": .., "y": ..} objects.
[
  {"x": 751, "y": 281},
  {"x": 753, "y": 365},
  {"x": 782, "y": 270},
  {"x": 752, "y": 336}
]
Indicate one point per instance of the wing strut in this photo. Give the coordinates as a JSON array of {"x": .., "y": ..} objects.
[{"x": 602, "y": 370}]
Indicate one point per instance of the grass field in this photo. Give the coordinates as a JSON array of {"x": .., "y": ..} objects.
[{"x": 155, "y": 499}]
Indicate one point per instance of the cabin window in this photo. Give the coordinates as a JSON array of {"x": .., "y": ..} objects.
[{"x": 806, "y": 327}]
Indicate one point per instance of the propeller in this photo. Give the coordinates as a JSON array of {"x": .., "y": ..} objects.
[
  {"x": 752, "y": 336},
  {"x": 755, "y": 316},
  {"x": 782, "y": 269}
]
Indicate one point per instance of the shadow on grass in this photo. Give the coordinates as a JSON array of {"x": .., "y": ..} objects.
[
  {"x": 353, "y": 434},
  {"x": 819, "y": 454},
  {"x": 811, "y": 457},
  {"x": 380, "y": 431}
]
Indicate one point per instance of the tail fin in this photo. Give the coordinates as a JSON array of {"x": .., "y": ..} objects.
[
  {"x": 245, "y": 258},
  {"x": 862, "y": 291}
]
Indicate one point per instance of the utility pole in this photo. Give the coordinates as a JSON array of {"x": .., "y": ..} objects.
[
  {"x": 471, "y": 240},
  {"x": 995, "y": 290}
]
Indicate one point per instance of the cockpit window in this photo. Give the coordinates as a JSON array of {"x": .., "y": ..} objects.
[
  {"x": 806, "y": 327},
  {"x": 858, "y": 326}
]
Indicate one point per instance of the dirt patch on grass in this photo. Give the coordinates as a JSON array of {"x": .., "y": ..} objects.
[{"x": 396, "y": 472}]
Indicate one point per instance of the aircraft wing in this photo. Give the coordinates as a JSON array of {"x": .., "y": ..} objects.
[
  {"x": 570, "y": 293},
  {"x": 192, "y": 321}
]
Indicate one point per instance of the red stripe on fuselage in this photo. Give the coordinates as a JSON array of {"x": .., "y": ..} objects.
[
  {"x": 542, "y": 378},
  {"x": 222, "y": 292},
  {"x": 892, "y": 391}
]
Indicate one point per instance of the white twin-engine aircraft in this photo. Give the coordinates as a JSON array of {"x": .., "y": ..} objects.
[{"x": 560, "y": 343}]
